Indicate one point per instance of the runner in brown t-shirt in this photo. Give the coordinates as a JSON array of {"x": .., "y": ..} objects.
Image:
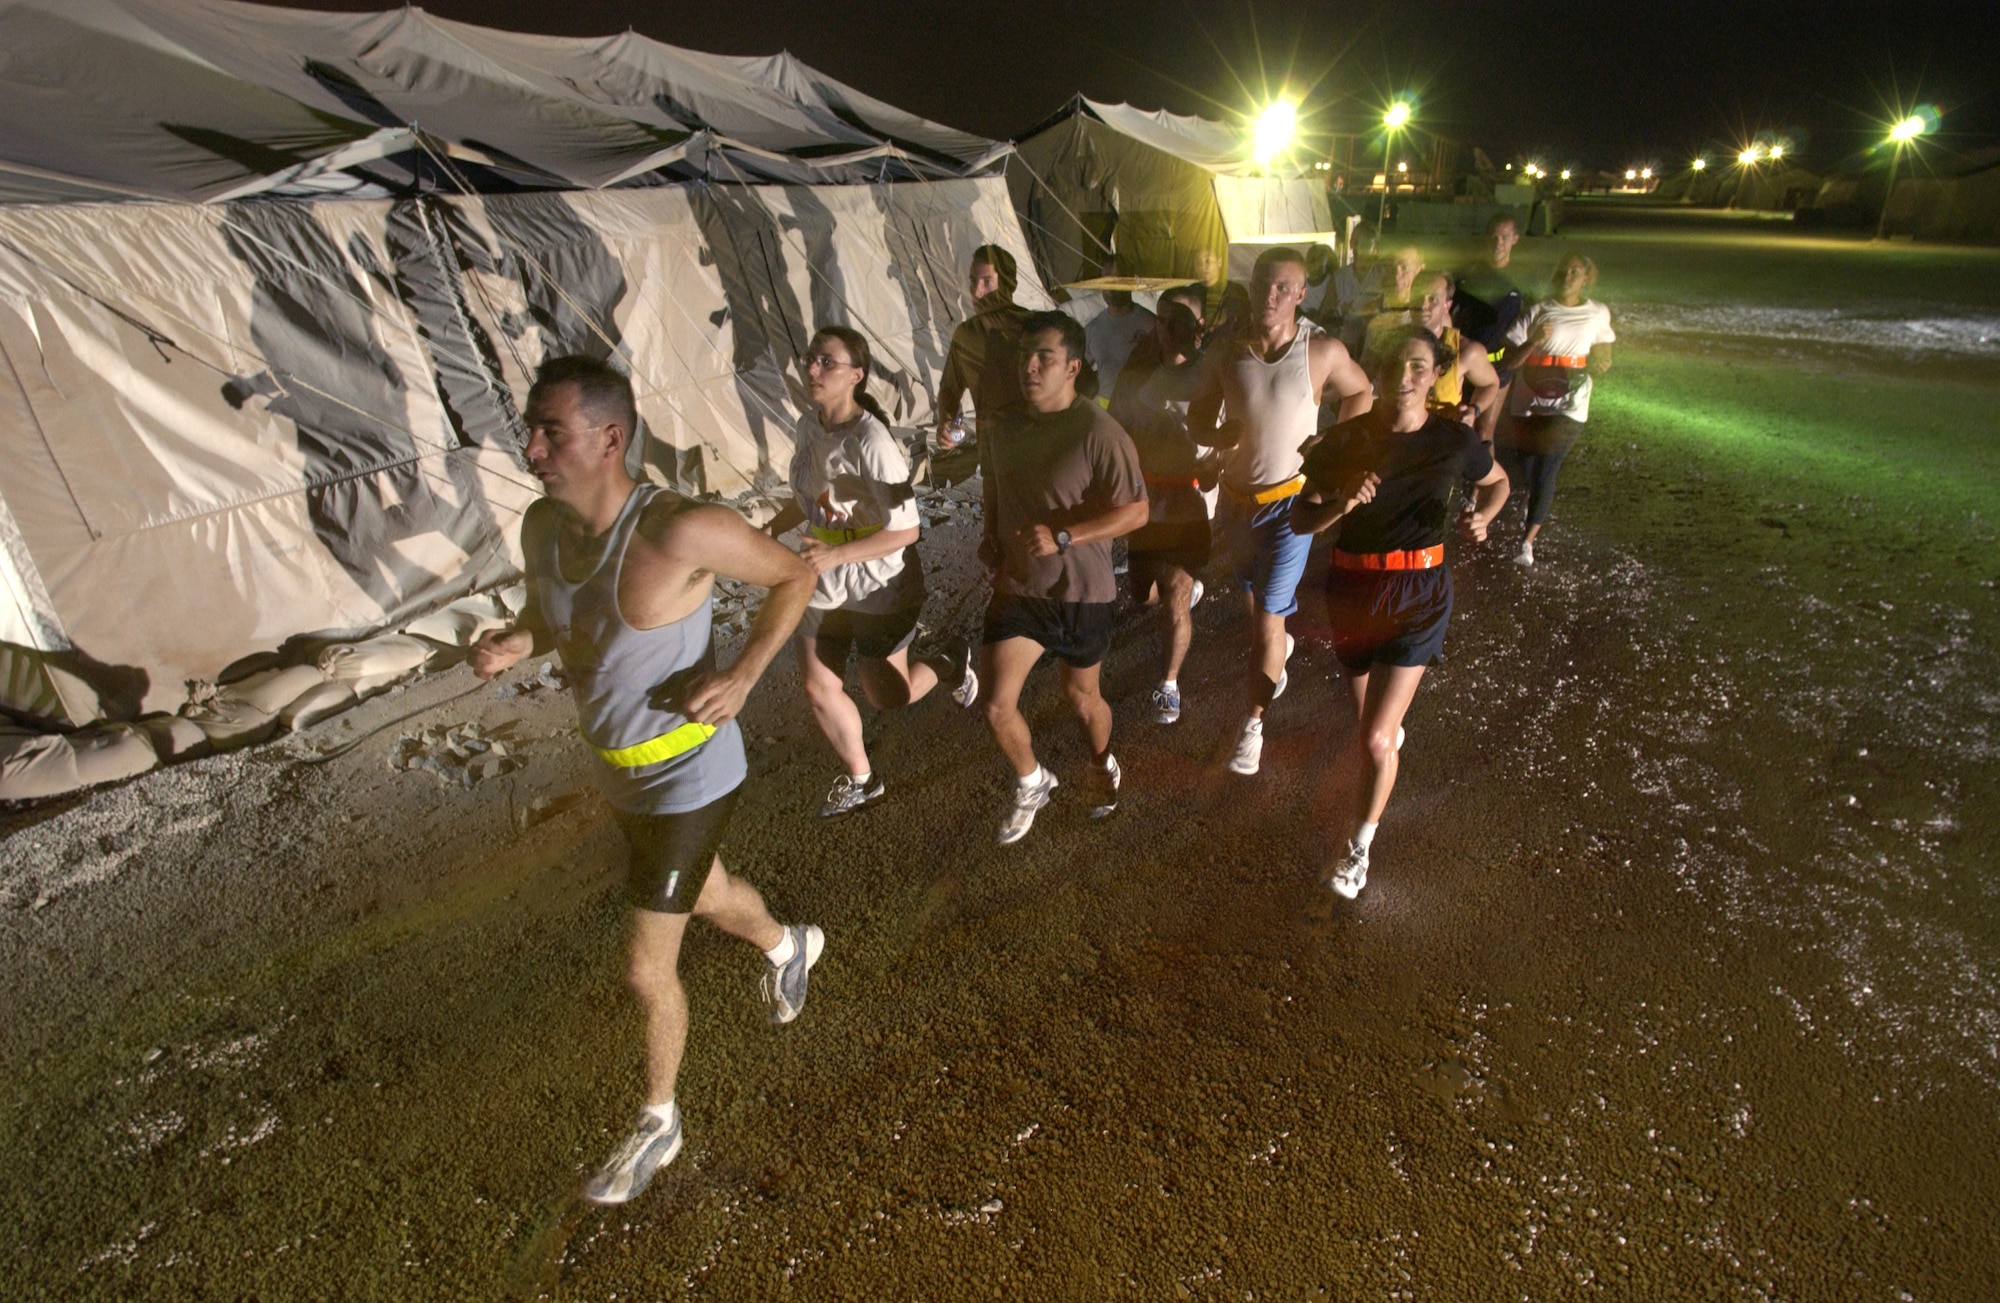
[
  {"x": 981, "y": 358},
  {"x": 1062, "y": 480}
]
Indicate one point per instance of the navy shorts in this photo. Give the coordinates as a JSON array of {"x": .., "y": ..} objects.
[
  {"x": 872, "y": 636},
  {"x": 1395, "y": 617},
  {"x": 1183, "y": 546},
  {"x": 671, "y": 853},
  {"x": 1077, "y": 632}
]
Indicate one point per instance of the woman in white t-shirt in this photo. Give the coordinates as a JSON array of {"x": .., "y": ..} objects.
[
  {"x": 852, "y": 480},
  {"x": 1555, "y": 349}
]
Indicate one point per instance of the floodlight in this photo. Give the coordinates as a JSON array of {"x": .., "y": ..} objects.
[
  {"x": 1701, "y": 165},
  {"x": 1397, "y": 116},
  {"x": 1274, "y": 131},
  {"x": 1402, "y": 167},
  {"x": 1777, "y": 152},
  {"x": 1631, "y": 174},
  {"x": 1565, "y": 174},
  {"x": 1645, "y": 174},
  {"x": 1908, "y": 129},
  {"x": 1750, "y": 155}
]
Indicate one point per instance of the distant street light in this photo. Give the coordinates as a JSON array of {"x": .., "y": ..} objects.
[
  {"x": 1750, "y": 156},
  {"x": 1565, "y": 174},
  {"x": 1701, "y": 165},
  {"x": 1777, "y": 152},
  {"x": 1275, "y": 127},
  {"x": 1394, "y": 119},
  {"x": 1903, "y": 133},
  {"x": 1631, "y": 175},
  {"x": 1398, "y": 116},
  {"x": 1645, "y": 174}
]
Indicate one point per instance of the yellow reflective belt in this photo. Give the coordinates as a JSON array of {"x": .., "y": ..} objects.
[
  {"x": 1276, "y": 493},
  {"x": 664, "y": 747},
  {"x": 836, "y": 537}
]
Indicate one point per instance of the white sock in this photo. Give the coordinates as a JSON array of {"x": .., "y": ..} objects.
[
  {"x": 781, "y": 954},
  {"x": 1364, "y": 835},
  {"x": 664, "y": 1112},
  {"x": 862, "y": 780},
  {"x": 1032, "y": 780},
  {"x": 1171, "y": 685}
]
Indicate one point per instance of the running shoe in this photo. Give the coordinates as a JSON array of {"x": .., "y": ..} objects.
[
  {"x": 1104, "y": 787},
  {"x": 1351, "y": 874},
  {"x": 1284, "y": 675},
  {"x": 1249, "y": 747},
  {"x": 850, "y": 794},
  {"x": 1028, "y": 802},
  {"x": 650, "y": 1147},
  {"x": 1166, "y": 704},
  {"x": 1526, "y": 556},
  {"x": 1195, "y": 595},
  {"x": 783, "y": 986},
  {"x": 957, "y": 664}
]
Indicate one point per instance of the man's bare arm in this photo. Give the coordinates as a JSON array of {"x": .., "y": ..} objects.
[
  {"x": 1482, "y": 384},
  {"x": 1345, "y": 380},
  {"x": 1115, "y": 523},
  {"x": 720, "y": 542},
  {"x": 1205, "y": 408},
  {"x": 497, "y": 650}
]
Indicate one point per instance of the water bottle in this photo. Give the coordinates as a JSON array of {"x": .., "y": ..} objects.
[{"x": 953, "y": 435}]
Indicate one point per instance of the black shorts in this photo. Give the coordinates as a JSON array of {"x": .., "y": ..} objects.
[
  {"x": 1395, "y": 617},
  {"x": 1078, "y": 632},
  {"x": 671, "y": 854},
  {"x": 1182, "y": 545},
  {"x": 871, "y": 635}
]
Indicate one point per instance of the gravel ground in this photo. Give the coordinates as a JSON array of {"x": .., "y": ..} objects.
[{"x": 1677, "y": 975}]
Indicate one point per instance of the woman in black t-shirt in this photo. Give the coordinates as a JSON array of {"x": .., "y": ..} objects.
[{"x": 1387, "y": 476}]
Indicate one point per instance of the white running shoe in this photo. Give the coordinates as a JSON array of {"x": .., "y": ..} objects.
[
  {"x": 954, "y": 666},
  {"x": 650, "y": 1147},
  {"x": 1285, "y": 675},
  {"x": 1351, "y": 874},
  {"x": 1104, "y": 787},
  {"x": 1526, "y": 556},
  {"x": 1195, "y": 595},
  {"x": 1249, "y": 747},
  {"x": 784, "y": 986},
  {"x": 850, "y": 794},
  {"x": 1028, "y": 802},
  {"x": 1166, "y": 704}
]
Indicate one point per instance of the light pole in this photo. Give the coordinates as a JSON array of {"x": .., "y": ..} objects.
[
  {"x": 1393, "y": 120},
  {"x": 1899, "y": 135}
]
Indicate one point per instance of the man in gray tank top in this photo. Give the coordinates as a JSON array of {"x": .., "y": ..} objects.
[{"x": 620, "y": 577}]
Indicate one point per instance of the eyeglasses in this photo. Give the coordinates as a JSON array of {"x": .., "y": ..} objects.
[{"x": 826, "y": 362}]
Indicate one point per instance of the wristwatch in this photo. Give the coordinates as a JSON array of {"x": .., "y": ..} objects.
[{"x": 1062, "y": 540}]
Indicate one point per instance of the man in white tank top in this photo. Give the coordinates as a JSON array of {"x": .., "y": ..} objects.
[
  {"x": 580, "y": 416},
  {"x": 1270, "y": 380}
]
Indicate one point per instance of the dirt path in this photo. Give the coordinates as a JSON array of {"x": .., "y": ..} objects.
[{"x": 1678, "y": 973}]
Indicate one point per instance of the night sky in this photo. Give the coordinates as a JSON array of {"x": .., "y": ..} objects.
[{"x": 1603, "y": 84}]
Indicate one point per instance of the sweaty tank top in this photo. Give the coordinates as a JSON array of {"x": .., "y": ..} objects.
[
  {"x": 1278, "y": 404},
  {"x": 628, "y": 682},
  {"x": 1450, "y": 387}
]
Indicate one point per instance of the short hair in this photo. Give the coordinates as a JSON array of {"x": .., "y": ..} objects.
[
  {"x": 601, "y": 388},
  {"x": 1392, "y": 346},
  {"x": 1195, "y": 296},
  {"x": 1003, "y": 265},
  {"x": 1273, "y": 256},
  {"x": 1450, "y": 282},
  {"x": 1074, "y": 343},
  {"x": 1502, "y": 218},
  {"x": 1589, "y": 267}
]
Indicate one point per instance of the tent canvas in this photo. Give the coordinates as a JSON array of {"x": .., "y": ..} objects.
[
  {"x": 1159, "y": 188},
  {"x": 234, "y": 421}
]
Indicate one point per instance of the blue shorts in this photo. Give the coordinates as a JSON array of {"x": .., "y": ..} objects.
[{"x": 1271, "y": 559}]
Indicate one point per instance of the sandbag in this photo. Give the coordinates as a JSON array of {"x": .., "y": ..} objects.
[
  {"x": 368, "y": 667},
  {"x": 318, "y": 703},
  {"x": 35, "y": 765},
  {"x": 247, "y": 711},
  {"x": 461, "y": 623}
]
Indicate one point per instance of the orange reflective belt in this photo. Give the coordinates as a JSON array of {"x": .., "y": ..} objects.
[
  {"x": 1560, "y": 359},
  {"x": 1171, "y": 481},
  {"x": 1276, "y": 493},
  {"x": 1423, "y": 558}
]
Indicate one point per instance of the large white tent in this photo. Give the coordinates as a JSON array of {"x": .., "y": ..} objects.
[
  {"x": 1157, "y": 188},
  {"x": 272, "y": 285}
]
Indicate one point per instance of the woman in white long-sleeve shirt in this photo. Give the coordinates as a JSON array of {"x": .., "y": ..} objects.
[{"x": 852, "y": 480}]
